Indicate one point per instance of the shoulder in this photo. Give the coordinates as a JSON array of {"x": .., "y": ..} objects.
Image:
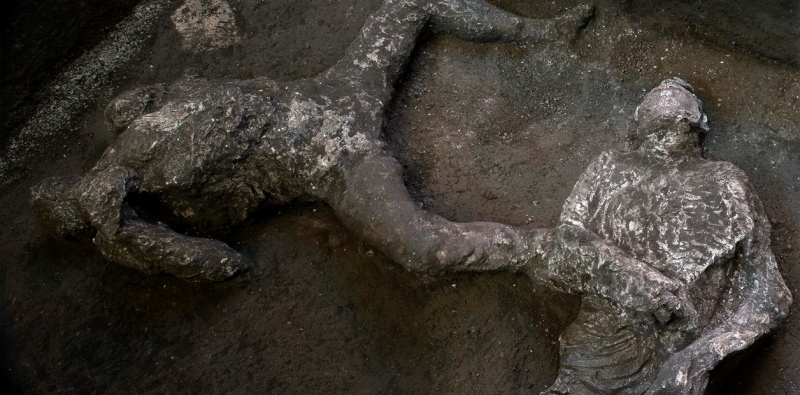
[
  {"x": 726, "y": 169},
  {"x": 737, "y": 194},
  {"x": 729, "y": 178},
  {"x": 578, "y": 205},
  {"x": 603, "y": 162}
]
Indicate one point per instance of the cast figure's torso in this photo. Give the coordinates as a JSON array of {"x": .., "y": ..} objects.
[
  {"x": 313, "y": 134},
  {"x": 217, "y": 151},
  {"x": 684, "y": 217},
  {"x": 680, "y": 216}
]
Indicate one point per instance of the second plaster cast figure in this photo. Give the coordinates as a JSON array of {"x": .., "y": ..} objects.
[
  {"x": 213, "y": 152},
  {"x": 696, "y": 221},
  {"x": 661, "y": 214}
]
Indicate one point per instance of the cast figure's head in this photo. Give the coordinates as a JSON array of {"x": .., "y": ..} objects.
[{"x": 671, "y": 116}]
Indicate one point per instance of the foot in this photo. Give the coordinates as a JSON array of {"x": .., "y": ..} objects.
[
  {"x": 155, "y": 248},
  {"x": 486, "y": 246},
  {"x": 55, "y": 204},
  {"x": 572, "y": 21}
]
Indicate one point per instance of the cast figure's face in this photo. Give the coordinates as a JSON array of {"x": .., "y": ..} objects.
[
  {"x": 671, "y": 117},
  {"x": 671, "y": 100}
]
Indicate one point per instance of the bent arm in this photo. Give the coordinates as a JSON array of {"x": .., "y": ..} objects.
[
  {"x": 579, "y": 261},
  {"x": 761, "y": 305}
]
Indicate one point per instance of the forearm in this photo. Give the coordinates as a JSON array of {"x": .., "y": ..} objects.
[
  {"x": 687, "y": 371},
  {"x": 497, "y": 247},
  {"x": 762, "y": 304},
  {"x": 579, "y": 261}
]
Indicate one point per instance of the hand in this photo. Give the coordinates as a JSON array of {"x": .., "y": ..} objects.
[
  {"x": 669, "y": 300},
  {"x": 485, "y": 246},
  {"x": 676, "y": 377},
  {"x": 636, "y": 285},
  {"x": 676, "y": 303}
]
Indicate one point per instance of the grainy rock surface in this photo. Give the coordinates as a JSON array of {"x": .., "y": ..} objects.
[
  {"x": 205, "y": 25},
  {"x": 484, "y": 131}
]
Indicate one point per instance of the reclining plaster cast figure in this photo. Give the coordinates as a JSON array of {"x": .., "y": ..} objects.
[
  {"x": 660, "y": 214},
  {"x": 698, "y": 222},
  {"x": 213, "y": 152},
  {"x": 670, "y": 250}
]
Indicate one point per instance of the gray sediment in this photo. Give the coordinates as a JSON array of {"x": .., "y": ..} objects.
[{"x": 88, "y": 80}]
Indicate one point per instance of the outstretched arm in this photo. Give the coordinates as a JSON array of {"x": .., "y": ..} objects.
[
  {"x": 760, "y": 306},
  {"x": 578, "y": 261},
  {"x": 375, "y": 204}
]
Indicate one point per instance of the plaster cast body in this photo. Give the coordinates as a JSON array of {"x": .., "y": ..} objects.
[
  {"x": 669, "y": 250},
  {"x": 211, "y": 153},
  {"x": 661, "y": 210}
]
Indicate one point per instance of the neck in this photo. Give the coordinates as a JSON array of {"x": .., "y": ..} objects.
[{"x": 673, "y": 138}]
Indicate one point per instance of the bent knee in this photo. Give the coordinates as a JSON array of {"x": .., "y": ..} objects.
[
  {"x": 128, "y": 106},
  {"x": 54, "y": 202}
]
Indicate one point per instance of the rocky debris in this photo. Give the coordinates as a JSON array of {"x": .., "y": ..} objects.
[
  {"x": 87, "y": 81},
  {"x": 205, "y": 25}
]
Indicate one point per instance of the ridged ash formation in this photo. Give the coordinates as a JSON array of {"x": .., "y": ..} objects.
[
  {"x": 211, "y": 153},
  {"x": 660, "y": 218}
]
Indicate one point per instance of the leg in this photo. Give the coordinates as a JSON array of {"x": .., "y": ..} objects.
[
  {"x": 127, "y": 240},
  {"x": 376, "y": 205},
  {"x": 131, "y": 104},
  {"x": 476, "y": 20},
  {"x": 154, "y": 248},
  {"x": 373, "y": 61}
]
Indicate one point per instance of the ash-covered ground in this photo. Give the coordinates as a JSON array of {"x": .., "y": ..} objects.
[{"x": 485, "y": 131}]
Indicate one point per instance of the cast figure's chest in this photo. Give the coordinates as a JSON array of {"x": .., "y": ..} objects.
[
  {"x": 312, "y": 135},
  {"x": 680, "y": 222}
]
